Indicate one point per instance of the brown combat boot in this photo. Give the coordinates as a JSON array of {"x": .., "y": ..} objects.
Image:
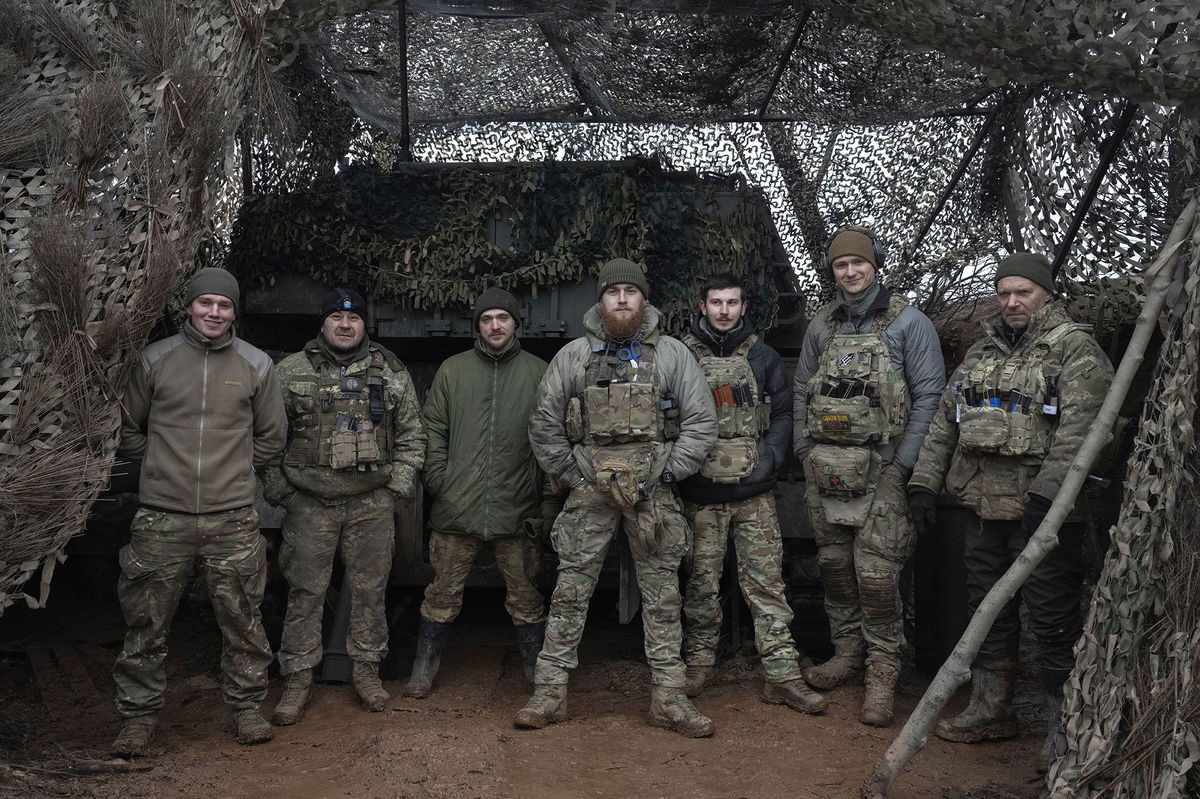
[
  {"x": 845, "y": 666},
  {"x": 795, "y": 694},
  {"x": 672, "y": 710},
  {"x": 365, "y": 677},
  {"x": 988, "y": 716},
  {"x": 135, "y": 737},
  {"x": 547, "y": 706},
  {"x": 880, "y": 695},
  {"x": 252, "y": 728},
  {"x": 696, "y": 679},
  {"x": 294, "y": 699}
]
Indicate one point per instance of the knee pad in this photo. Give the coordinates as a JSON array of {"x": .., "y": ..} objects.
[
  {"x": 878, "y": 593},
  {"x": 837, "y": 575}
]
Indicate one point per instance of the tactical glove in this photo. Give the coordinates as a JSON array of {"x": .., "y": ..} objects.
[
  {"x": 1035, "y": 510},
  {"x": 922, "y": 506}
]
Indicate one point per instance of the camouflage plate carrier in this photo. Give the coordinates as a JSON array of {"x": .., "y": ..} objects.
[
  {"x": 743, "y": 413},
  {"x": 340, "y": 420},
  {"x": 1008, "y": 404},
  {"x": 856, "y": 403}
]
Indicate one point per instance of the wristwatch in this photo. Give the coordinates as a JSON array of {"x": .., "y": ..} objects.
[{"x": 667, "y": 477}]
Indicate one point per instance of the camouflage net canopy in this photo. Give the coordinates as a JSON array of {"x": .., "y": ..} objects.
[{"x": 131, "y": 131}]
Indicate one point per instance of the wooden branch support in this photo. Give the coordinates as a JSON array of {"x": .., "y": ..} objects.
[{"x": 956, "y": 670}]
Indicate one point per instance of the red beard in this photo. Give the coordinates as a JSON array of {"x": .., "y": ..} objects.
[{"x": 622, "y": 328}]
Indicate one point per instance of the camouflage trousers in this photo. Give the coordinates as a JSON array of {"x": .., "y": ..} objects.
[
  {"x": 160, "y": 558},
  {"x": 754, "y": 528},
  {"x": 860, "y": 570},
  {"x": 312, "y": 532},
  {"x": 519, "y": 559},
  {"x": 658, "y": 539}
]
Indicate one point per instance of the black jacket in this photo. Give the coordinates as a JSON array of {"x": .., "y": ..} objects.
[{"x": 773, "y": 447}]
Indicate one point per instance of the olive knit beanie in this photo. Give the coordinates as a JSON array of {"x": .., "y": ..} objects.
[
  {"x": 622, "y": 270},
  {"x": 498, "y": 299},
  {"x": 1028, "y": 265},
  {"x": 851, "y": 242},
  {"x": 214, "y": 280}
]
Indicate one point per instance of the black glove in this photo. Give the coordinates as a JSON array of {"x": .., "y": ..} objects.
[
  {"x": 1035, "y": 510},
  {"x": 922, "y": 506}
]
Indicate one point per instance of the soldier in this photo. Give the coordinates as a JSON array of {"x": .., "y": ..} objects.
[
  {"x": 1010, "y": 422},
  {"x": 866, "y": 385},
  {"x": 202, "y": 409},
  {"x": 355, "y": 445},
  {"x": 730, "y": 497},
  {"x": 485, "y": 483},
  {"x": 621, "y": 414}
]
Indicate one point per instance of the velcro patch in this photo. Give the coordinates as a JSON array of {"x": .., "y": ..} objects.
[{"x": 839, "y": 422}]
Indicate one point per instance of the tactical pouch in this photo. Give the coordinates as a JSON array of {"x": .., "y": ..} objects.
[
  {"x": 574, "y": 420},
  {"x": 848, "y": 421},
  {"x": 343, "y": 449},
  {"x": 845, "y": 479},
  {"x": 621, "y": 411},
  {"x": 730, "y": 459},
  {"x": 621, "y": 471},
  {"x": 367, "y": 447},
  {"x": 983, "y": 429}
]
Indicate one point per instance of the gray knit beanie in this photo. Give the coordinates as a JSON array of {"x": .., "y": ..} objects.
[
  {"x": 498, "y": 299},
  {"x": 214, "y": 280},
  {"x": 1028, "y": 265},
  {"x": 622, "y": 270}
]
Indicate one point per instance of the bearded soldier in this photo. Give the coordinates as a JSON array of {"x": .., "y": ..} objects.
[
  {"x": 730, "y": 497},
  {"x": 1016, "y": 411},
  {"x": 866, "y": 386},
  {"x": 621, "y": 414},
  {"x": 486, "y": 486},
  {"x": 355, "y": 445}
]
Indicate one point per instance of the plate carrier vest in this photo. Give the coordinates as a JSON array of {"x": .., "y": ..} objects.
[{"x": 743, "y": 413}]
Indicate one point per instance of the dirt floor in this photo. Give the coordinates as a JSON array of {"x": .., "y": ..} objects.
[{"x": 460, "y": 742}]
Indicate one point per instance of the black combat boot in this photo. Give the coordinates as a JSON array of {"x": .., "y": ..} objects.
[
  {"x": 529, "y": 642},
  {"x": 430, "y": 640}
]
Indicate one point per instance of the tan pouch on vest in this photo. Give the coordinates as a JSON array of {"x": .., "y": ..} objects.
[
  {"x": 730, "y": 460},
  {"x": 343, "y": 449},
  {"x": 982, "y": 429},
  {"x": 845, "y": 480}
]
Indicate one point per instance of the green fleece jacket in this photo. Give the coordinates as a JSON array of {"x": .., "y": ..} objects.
[
  {"x": 201, "y": 415},
  {"x": 479, "y": 466}
]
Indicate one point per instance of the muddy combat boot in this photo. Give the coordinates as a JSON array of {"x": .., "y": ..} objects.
[
  {"x": 795, "y": 694},
  {"x": 430, "y": 640},
  {"x": 365, "y": 677},
  {"x": 293, "y": 700},
  {"x": 845, "y": 666},
  {"x": 879, "y": 696},
  {"x": 988, "y": 716},
  {"x": 547, "y": 706},
  {"x": 135, "y": 737},
  {"x": 252, "y": 728},
  {"x": 672, "y": 710},
  {"x": 1055, "y": 745},
  {"x": 696, "y": 679},
  {"x": 529, "y": 643}
]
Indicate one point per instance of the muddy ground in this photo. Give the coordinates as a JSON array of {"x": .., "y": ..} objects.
[{"x": 460, "y": 742}]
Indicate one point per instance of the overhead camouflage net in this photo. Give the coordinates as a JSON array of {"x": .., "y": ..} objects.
[{"x": 131, "y": 132}]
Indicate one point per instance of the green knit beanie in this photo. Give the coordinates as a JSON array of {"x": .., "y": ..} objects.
[
  {"x": 214, "y": 280},
  {"x": 498, "y": 299},
  {"x": 622, "y": 270},
  {"x": 850, "y": 241},
  {"x": 1028, "y": 265}
]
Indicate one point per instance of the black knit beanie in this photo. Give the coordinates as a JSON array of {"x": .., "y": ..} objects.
[
  {"x": 1028, "y": 265},
  {"x": 500, "y": 300},
  {"x": 343, "y": 300}
]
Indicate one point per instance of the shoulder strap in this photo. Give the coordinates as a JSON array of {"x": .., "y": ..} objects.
[
  {"x": 883, "y": 319},
  {"x": 746, "y": 345}
]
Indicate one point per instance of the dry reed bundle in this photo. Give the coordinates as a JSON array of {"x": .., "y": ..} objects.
[
  {"x": 69, "y": 32},
  {"x": 38, "y": 491},
  {"x": 62, "y": 252},
  {"x": 156, "y": 33},
  {"x": 16, "y": 28},
  {"x": 104, "y": 118},
  {"x": 268, "y": 101},
  {"x": 31, "y": 131}
]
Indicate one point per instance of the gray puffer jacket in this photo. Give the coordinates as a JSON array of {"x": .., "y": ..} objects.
[
  {"x": 915, "y": 353},
  {"x": 680, "y": 375}
]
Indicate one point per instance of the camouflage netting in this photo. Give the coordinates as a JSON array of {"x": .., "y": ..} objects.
[{"x": 131, "y": 131}]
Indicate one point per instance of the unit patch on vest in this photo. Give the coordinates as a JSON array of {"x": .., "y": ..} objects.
[
  {"x": 844, "y": 361},
  {"x": 835, "y": 422}
]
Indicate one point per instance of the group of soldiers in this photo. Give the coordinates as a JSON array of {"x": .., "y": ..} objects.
[{"x": 675, "y": 442}]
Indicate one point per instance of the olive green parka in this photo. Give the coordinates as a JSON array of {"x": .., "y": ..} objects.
[{"x": 478, "y": 463}]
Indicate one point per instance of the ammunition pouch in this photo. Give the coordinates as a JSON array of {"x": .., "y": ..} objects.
[
  {"x": 621, "y": 411},
  {"x": 997, "y": 431},
  {"x": 845, "y": 479},
  {"x": 623, "y": 472},
  {"x": 849, "y": 421},
  {"x": 730, "y": 460}
]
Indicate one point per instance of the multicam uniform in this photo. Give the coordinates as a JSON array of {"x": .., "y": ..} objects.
[
  {"x": 730, "y": 497},
  {"x": 866, "y": 387},
  {"x": 355, "y": 444},
  {"x": 199, "y": 413},
  {"x": 1009, "y": 425},
  {"x": 600, "y": 427}
]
